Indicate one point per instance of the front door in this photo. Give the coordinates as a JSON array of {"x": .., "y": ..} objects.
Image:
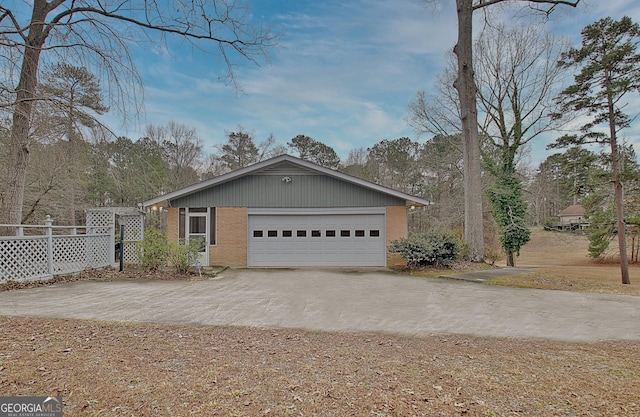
[{"x": 197, "y": 232}]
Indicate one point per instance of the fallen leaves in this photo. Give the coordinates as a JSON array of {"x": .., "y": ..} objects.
[
  {"x": 118, "y": 369},
  {"x": 107, "y": 274}
]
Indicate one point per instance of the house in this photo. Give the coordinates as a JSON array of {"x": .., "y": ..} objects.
[
  {"x": 572, "y": 217},
  {"x": 288, "y": 212}
]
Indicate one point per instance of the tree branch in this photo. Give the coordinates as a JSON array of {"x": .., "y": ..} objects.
[{"x": 485, "y": 3}]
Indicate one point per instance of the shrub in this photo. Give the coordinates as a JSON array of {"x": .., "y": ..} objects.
[
  {"x": 492, "y": 254},
  {"x": 152, "y": 249},
  {"x": 436, "y": 248},
  {"x": 183, "y": 256}
]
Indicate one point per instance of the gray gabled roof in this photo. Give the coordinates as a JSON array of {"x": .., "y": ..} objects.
[{"x": 260, "y": 166}]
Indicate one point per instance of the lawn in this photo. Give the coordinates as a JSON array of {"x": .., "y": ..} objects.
[
  {"x": 136, "y": 369},
  {"x": 560, "y": 261}
]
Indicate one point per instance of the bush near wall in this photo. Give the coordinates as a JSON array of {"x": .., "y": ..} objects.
[{"x": 434, "y": 248}]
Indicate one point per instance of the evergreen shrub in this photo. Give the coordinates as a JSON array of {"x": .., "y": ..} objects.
[{"x": 434, "y": 248}]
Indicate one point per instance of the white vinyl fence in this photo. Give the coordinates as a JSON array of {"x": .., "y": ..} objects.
[
  {"x": 42, "y": 251},
  {"x": 39, "y": 252}
]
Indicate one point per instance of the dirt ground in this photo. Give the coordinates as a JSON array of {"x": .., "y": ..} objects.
[{"x": 124, "y": 369}]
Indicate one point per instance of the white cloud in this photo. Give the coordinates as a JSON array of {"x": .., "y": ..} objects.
[{"x": 344, "y": 72}]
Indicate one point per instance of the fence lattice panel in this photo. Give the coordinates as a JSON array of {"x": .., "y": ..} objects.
[
  {"x": 133, "y": 233},
  {"x": 24, "y": 258},
  {"x": 61, "y": 250},
  {"x": 76, "y": 253},
  {"x": 29, "y": 258},
  {"x": 100, "y": 221},
  {"x": 69, "y": 254},
  {"x": 99, "y": 251}
]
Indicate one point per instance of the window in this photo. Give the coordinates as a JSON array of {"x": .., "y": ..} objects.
[
  {"x": 316, "y": 233},
  {"x": 330, "y": 233},
  {"x": 212, "y": 226},
  {"x": 193, "y": 220},
  {"x": 197, "y": 225},
  {"x": 374, "y": 233},
  {"x": 287, "y": 233},
  {"x": 301, "y": 233},
  {"x": 181, "y": 222},
  {"x": 272, "y": 233},
  {"x": 345, "y": 233},
  {"x": 257, "y": 233},
  {"x": 359, "y": 233}
]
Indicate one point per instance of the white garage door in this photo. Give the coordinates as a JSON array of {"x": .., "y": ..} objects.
[{"x": 317, "y": 240}]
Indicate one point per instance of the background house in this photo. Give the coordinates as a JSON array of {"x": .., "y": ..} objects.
[
  {"x": 288, "y": 212},
  {"x": 572, "y": 217}
]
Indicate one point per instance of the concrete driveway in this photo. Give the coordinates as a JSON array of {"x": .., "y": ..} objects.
[{"x": 339, "y": 300}]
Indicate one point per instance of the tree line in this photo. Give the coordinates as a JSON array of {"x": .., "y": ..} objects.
[
  {"x": 500, "y": 93},
  {"x": 72, "y": 172}
]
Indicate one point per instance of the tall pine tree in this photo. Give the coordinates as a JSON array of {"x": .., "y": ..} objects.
[{"x": 609, "y": 69}]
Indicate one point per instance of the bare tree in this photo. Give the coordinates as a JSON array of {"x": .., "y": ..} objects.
[
  {"x": 98, "y": 34},
  {"x": 439, "y": 112},
  {"x": 270, "y": 148},
  {"x": 467, "y": 96},
  {"x": 181, "y": 150},
  {"x": 215, "y": 166},
  {"x": 58, "y": 184},
  {"x": 518, "y": 78},
  {"x": 356, "y": 164},
  {"x": 441, "y": 164}
]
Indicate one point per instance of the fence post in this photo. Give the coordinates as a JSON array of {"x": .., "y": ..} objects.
[
  {"x": 121, "y": 247},
  {"x": 48, "y": 222},
  {"x": 112, "y": 245}
]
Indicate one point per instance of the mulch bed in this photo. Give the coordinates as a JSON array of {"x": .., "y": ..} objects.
[{"x": 107, "y": 274}]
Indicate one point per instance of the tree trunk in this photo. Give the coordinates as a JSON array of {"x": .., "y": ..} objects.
[
  {"x": 622, "y": 239},
  {"x": 466, "y": 87},
  {"x": 16, "y": 169},
  {"x": 511, "y": 259},
  {"x": 617, "y": 184}
]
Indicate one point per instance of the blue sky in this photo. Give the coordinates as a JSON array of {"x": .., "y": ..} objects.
[{"x": 344, "y": 72}]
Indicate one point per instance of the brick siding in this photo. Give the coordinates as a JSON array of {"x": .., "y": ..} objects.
[
  {"x": 172, "y": 224},
  {"x": 396, "y": 229},
  {"x": 231, "y": 237}
]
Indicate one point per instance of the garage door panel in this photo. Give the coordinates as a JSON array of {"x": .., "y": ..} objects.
[{"x": 317, "y": 240}]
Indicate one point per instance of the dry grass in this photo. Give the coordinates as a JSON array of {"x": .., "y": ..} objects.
[
  {"x": 125, "y": 369},
  {"x": 560, "y": 262},
  {"x": 115, "y": 369}
]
